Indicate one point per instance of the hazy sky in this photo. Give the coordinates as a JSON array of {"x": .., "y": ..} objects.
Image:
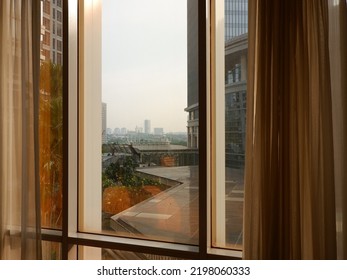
[{"x": 145, "y": 63}]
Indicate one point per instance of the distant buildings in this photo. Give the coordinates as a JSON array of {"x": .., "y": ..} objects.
[
  {"x": 147, "y": 126},
  {"x": 116, "y": 131},
  {"x": 104, "y": 123},
  {"x": 138, "y": 129},
  {"x": 158, "y": 131},
  {"x": 123, "y": 131}
]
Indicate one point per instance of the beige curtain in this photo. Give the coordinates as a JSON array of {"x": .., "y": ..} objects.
[
  {"x": 289, "y": 180},
  {"x": 19, "y": 188}
]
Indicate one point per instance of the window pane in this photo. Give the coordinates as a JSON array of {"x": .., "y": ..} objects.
[
  {"x": 112, "y": 254},
  {"x": 149, "y": 149},
  {"x": 233, "y": 56},
  {"x": 51, "y": 119},
  {"x": 51, "y": 250}
]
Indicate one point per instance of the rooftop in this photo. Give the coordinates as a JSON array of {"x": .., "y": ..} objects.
[{"x": 172, "y": 215}]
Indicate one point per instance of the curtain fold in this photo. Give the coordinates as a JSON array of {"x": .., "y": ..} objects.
[
  {"x": 19, "y": 177},
  {"x": 289, "y": 174},
  {"x": 338, "y": 66}
]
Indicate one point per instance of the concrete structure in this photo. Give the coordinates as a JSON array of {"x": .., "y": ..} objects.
[{"x": 172, "y": 215}]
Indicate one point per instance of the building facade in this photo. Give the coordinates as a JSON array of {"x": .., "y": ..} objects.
[
  {"x": 235, "y": 100},
  {"x": 236, "y": 45},
  {"x": 192, "y": 71},
  {"x": 236, "y": 18},
  {"x": 52, "y": 31}
]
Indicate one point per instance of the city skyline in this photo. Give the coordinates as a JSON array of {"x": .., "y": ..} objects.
[
  {"x": 138, "y": 128},
  {"x": 139, "y": 52}
]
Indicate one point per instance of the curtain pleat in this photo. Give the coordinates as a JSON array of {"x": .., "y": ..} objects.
[
  {"x": 19, "y": 182},
  {"x": 289, "y": 176},
  {"x": 338, "y": 65}
]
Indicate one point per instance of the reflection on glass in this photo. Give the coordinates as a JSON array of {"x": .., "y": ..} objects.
[
  {"x": 51, "y": 250},
  {"x": 51, "y": 116},
  {"x": 236, "y": 45},
  {"x": 113, "y": 254},
  {"x": 150, "y": 150}
]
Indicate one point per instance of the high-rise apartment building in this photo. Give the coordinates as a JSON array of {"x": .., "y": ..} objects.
[{"x": 52, "y": 31}]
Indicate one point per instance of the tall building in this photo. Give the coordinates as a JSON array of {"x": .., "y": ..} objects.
[
  {"x": 192, "y": 70},
  {"x": 236, "y": 45},
  {"x": 52, "y": 31},
  {"x": 147, "y": 126},
  {"x": 236, "y": 18},
  {"x": 104, "y": 123},
  {"x": 235, "y": 100}
]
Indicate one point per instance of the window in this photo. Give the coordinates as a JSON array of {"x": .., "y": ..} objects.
[
  {"x": 51, "y": 136},
  {"x": 189, "y": 235},
  {"x": 59, "y": 17},
  {"x": 150, "y": 182},
  {"x": 229, "y": 89},
  {"x": 59, "y": 45},
  {"x": 46, "y": 7},
  {"x": 59, "y": 29}
]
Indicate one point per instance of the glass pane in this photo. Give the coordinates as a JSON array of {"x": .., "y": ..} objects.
[
  {"x": 51, "y": 250},
  {"x": 236, "y": 45},
  {"x": 51, "y": 116},
  {"x": 233, "y": 94},
  {"x": 150, "y": 119},
  {"x": 112, "y": 254}
]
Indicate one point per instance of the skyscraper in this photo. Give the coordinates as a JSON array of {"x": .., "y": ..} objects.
[
  {"x": 192, "y": 69},
  {"x": 236, "y": 18},
  {"x": 147, "y": 126}
]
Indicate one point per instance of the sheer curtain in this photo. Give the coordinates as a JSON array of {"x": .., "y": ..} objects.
[
  {"x": 19, "y": 183},
  {"x": 289, "y": 181}
]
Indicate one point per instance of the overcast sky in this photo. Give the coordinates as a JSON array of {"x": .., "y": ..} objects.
[{"x": 145, "y": 63}]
